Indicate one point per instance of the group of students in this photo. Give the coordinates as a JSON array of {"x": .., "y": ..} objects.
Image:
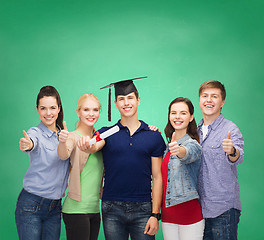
[{"x": 190, "y": 184}]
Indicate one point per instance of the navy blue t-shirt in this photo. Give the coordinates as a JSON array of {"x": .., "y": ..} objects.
[{"x": 127, "y": 163}]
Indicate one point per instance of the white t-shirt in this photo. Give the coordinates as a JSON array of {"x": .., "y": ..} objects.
[{"x": 205, "y": 131}]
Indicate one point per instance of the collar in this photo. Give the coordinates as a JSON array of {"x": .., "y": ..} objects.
[
  {"x": 46, "y": 130},
  {"x": 143, "y": 126},
  {"x": 214, "y": 124}
]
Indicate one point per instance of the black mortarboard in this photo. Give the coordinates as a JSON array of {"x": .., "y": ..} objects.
[{"x": 122, "y": 87}]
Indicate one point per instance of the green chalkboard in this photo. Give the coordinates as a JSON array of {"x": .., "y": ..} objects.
[{"x": 80, "y": 46}]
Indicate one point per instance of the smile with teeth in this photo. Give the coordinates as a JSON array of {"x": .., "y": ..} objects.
[
  {"x": 209, "y": 106},
  {"x": 48, "y": 118},
  {"x": 127, "y": 108},
  {"x": 90, "y": 119}
]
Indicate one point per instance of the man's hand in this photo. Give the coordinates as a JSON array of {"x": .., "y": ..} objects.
[
  {"x": 152, "y": 226},
  {"x": 228, "y": 144}
]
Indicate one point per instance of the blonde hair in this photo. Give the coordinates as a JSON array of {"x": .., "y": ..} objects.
[{"x": 82, "y": 99}]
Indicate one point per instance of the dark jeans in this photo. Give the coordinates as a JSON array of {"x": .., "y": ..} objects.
[
  {"x": 37, "y": 218},
  {"x": 82, "y": 226},
  {"x": 121, "y": 219},
  {"x": 223, "y": 227}
]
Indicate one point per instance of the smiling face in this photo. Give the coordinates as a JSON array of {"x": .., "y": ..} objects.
[
  {"x": 211, "y": 103},
  {"x": 89, "y": 112},
  {"x": 127, "y": 105},
  {"x": 180, "y": 117},
  {"x": 48, "y": 111}
]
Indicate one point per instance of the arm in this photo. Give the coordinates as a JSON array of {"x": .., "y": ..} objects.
[
  {"x": 193, "y": 151},
  {"x": 177, "y": 150},
  {"x": 152, "y": 225},
  {"x": 101, "y": 187},
  {"x": 234, "y": 144},
  {"x": 62, "y": 149}
]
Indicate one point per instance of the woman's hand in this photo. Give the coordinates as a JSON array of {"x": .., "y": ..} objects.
[
  {"x": 174, "y": 146},
  {"x": 83, "y": 144},
  {"x": 175, "y": 149},
  {"x": 25, "y": 143},
  {"x": 63, "y": 136}
]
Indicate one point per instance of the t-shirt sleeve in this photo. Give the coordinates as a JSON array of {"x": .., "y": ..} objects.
[
  {"x": 101, "y": 130},
  {"x": 159, "y": 146}
]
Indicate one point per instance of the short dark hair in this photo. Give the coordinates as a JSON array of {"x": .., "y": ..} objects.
[{"x": 136, "y": 93}]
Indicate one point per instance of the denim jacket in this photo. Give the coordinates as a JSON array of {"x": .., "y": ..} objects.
[{"x": 183, "y": 173}]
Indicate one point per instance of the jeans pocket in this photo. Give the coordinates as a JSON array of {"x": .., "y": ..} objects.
[
  {"x": 146, "y": 207},
  {"x": 27, "y": 207},
  {"x": 106, "y": 206}
]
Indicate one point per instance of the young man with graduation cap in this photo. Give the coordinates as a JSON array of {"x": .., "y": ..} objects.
[{"x": 132, "y": 159}]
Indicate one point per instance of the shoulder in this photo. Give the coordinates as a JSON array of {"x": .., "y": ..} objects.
[
  {"x": 153, "y": 135},
  {"x": 145, "y": 126},
  {"x": 157, "y": 135},
  {"x": 103, "y": 129},
  {"x": 230, "y": 126},
  {"x": 190, "y": 142},
  {"x": 34, "y": 132}
]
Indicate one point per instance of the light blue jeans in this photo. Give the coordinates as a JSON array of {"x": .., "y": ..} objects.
[
  {"x": 121, "y": 219},
  {"x": 37, "y": 218},
  {"x": 223, "y": 227}
]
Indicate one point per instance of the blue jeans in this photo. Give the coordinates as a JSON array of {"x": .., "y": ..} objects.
[
  {"x": 37, "y": 218},
  {"x": 121, "y": 219},
  {"x": 223, "y": 227}
]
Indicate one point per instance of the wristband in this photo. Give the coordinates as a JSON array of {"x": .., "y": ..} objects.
[
  {"x": 234, "y": 153},
  {"x": 156, "y": 215}
]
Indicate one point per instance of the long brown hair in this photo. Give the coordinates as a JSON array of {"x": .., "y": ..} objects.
[
  {"x": 50, "y": 91},
  {"x": 192, "y": 127}
]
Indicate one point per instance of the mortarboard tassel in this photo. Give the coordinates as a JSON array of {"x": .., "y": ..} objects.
[{"x": 109, "y": 105}]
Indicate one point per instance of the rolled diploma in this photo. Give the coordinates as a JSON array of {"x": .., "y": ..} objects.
[{"x": 105, "y": 134}]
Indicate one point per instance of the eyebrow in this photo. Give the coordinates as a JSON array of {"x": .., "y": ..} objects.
[
  {"x": 180, "y": 111},
  {"x": 48, "y": 106}
]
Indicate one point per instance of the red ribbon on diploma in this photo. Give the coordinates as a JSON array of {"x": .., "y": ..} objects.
[{"x": 98, "y": 136}]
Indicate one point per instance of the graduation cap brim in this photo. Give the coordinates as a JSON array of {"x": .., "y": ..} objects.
[{"x": 123, "y": 87}]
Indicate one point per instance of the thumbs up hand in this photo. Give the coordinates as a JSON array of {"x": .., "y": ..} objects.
[
  {"x": 25, "y": 143},
  {"x": 63, "y": 136},
  {"x": 174, "y": 146},
  {"x": 228, "y": 144}
]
